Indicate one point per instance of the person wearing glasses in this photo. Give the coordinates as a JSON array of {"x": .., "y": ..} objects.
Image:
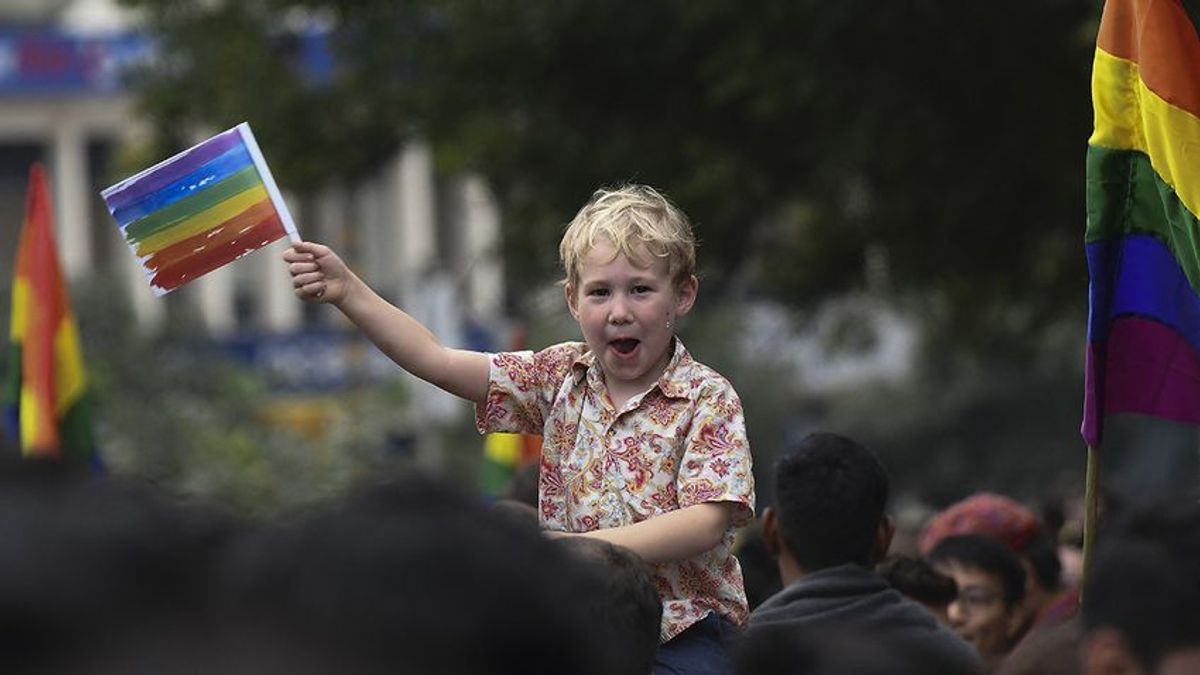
[{"x": 991, "y": 586}]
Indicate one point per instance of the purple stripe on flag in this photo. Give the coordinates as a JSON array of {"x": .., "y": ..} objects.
[
  {"x": 1150, "y": 369},
  {"x": 170, "y": 170},
  {"x": 1137, "y": 277}
]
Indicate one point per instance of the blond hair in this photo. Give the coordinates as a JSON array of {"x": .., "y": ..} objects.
[{"x": 630, "y": 217}]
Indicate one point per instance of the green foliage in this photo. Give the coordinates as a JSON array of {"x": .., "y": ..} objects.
[
  {"x": 931, "y": 151},
  {"x": 796, "y": 133},
  {"x": 174, "y": 410}
]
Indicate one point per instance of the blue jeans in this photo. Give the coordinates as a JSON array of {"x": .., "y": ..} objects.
[{"x": 699, "y": 650}]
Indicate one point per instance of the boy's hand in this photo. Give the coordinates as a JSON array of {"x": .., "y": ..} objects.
[{"x": 318, "y": 274}]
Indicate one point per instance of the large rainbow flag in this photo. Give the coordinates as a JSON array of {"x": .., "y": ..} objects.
[
  {"x": 1143, "y": 197},
  {"x": 200, "y": 209},
  {"x": 45, "y": 393}
]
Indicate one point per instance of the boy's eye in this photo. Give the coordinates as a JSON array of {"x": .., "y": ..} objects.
[
  {"x": 598, "y": 292},
  {"x": 641, "y": 289}
]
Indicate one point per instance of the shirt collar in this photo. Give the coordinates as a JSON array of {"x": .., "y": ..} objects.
[{"x": 673, "y": 382}]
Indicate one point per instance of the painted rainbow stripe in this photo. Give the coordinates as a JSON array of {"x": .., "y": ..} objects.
[
  {"x": 201, "y": 209},
  {"x": 1143, "y": 236}
]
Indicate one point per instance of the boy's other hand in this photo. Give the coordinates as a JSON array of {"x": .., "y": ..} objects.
[{"x": 318, "y": 274}]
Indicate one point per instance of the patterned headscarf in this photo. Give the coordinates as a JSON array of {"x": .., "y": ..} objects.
[{"x": 986, "y": 514}]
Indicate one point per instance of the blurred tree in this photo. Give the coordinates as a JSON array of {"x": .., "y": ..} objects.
[{"x": 947, "y": 138}]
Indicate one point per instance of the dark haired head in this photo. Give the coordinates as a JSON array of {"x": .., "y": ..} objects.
[
  {"x": 417, "y": 578},
  {"x": 987, "y": 554},
  {"x": 830, "y": 494},
  {"x": 1145, "y": 581},
  {"x": 617, "y": 592},
  {"x": 918, "y": 580}
]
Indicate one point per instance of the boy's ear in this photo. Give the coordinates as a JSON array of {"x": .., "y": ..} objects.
[
  {"x": 572, "y": 303},
  {"x": 686, "y": 295}
]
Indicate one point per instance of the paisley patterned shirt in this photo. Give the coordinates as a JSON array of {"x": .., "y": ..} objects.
[{"x": 680, "y": 443}]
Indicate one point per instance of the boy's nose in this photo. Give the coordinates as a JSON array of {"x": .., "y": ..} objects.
[{"x": 618, "y": 311}]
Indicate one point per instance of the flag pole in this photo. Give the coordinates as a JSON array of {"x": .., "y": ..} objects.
[{"x": 1091, "y": 513}]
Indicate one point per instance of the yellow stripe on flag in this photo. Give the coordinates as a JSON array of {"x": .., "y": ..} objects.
[
  {"x": 1129, "y": 116},
  {"x": 20, "y": 310},
  {"x": 70, "y": 380},
  {"x": 201, "y": 222}
]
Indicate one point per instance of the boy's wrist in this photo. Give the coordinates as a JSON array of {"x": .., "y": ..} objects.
[{"x": 353, "y": 286}]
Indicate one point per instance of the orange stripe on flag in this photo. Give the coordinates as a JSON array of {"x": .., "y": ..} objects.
[{"x": 1158, "y": 35}]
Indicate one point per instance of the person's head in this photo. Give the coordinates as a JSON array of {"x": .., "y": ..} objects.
[
  {"x": 415, "y": 578},
  {"x": 916, "y": 579},
  {"x": 991, "y": 585},
  {"x": 1141, "y": 608},
  {"x": 617, "y": 591},
  {"x": 630, "y": 262},
  {"x": 1015, "y": 526},
  {"x": 830, "y": 494},
  {"x": 87, "y": 562}
]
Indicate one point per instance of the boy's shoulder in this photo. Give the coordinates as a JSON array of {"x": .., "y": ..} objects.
[
  {"x": 564, "y": 353},
  {"x": 700, "y": 379}
]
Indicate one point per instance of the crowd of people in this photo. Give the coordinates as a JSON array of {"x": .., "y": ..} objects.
[
  {"x": 101, "y": 575},
  {"x": 630, "y": 557}
]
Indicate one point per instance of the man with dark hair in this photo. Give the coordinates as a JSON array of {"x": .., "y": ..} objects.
[
  {"x": 1141, "y": 612},
  {"x": 991, "y": 585},
  {"x": 827, "y": 529}
]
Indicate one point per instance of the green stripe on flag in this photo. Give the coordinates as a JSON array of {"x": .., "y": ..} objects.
[{"x": 1125, "y": 195}]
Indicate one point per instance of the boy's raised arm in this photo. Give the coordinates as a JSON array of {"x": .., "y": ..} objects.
[{"x": 319, "y": 275}]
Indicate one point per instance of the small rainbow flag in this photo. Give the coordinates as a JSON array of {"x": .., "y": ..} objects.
[
  {"x": 206, "y": 206},
  {"x": 1143, "y": 199},
  {"x": 45, "y": 396}
]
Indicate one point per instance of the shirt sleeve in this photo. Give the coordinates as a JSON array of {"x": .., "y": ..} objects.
[
  {"x": 716, "y": 465},
  {"x": 522, "y": 387}
]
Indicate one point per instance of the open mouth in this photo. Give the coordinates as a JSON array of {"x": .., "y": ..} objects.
[{"x": 625, "y": 346}]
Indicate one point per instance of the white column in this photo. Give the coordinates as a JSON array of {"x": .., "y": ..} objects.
[
  {"x": 149, "y": 310},
  {"x": 481, "y": 243},
  {"x": 214, "y": 297},
  {"x": 281, "y": 310},
  {"x": 417, "y": 224},
  {"x": 370, "y": 223},
  {"x": 69, "y": 171}
]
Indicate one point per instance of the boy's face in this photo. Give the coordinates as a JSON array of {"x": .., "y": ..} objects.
[
  {"x": 979, "y": 614},
  {"x": 628, "y": 313}
]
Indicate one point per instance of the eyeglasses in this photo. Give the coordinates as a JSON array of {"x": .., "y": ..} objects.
[{"x": 975, "y": 598}]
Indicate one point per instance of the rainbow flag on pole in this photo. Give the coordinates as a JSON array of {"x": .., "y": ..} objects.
[
  {"x": 45, "y": 393},
  {"x": 206, "y": 206},
  {"x": 1143, "y": 197}
]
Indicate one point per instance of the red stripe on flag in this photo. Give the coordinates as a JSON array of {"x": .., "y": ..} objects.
[{"x": 186, "y": 269}]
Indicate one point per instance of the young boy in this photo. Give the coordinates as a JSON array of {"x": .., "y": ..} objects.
[{"x": 643, "y": 447}]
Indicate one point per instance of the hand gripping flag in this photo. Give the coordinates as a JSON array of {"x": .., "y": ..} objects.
[
  {"x": 1143, "y": 197},
  {"x": 200, "y": 209},
  {"x": 45, "y": 394}
]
